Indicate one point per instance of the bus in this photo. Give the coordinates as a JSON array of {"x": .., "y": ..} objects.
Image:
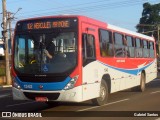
[{"x": 91, "y": 60}]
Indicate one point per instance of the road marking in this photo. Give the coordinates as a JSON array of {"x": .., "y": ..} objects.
[
  {"x": 2, "y": 96},
  {"x": 20, "y": 104},
  {"x": 155, "y": 92},
  {"x": 102, "y": 105}
]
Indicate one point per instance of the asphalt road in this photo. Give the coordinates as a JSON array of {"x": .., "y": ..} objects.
[{"x": 124, "y": 104}]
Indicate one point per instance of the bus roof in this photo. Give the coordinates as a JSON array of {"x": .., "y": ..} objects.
[
  {"x": 102, "y": 24},
  {"x": 129, "y": 32}
]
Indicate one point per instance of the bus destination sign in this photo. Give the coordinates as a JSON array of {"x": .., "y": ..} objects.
[{"x": 48, "y": 24}]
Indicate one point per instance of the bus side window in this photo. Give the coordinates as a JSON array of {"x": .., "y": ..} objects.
[
  {"x": 88, "y": 48},
  {"x": 106, "y": 46},
  {"x": 145, "y": 49},
  {"x": 119, "y": 45},
  {"x": 138, "y": 48},
  {"x": 130, "y": 45},
  {"x": 151, "y": 51}
]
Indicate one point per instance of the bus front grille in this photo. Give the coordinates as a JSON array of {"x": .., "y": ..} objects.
[{"x": 50, "y": 96}]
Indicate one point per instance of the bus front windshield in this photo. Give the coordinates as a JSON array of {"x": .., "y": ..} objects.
[{"x": 45, "y": 53}]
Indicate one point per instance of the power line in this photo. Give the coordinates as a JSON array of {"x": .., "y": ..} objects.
[
  {"x": 76, "y": 5},
  {"x": 14, "y": 1},
  {"x": 90, "y": 8},
  {"x": 73, "y": 10},
  {"x": 94, "y": 6}
]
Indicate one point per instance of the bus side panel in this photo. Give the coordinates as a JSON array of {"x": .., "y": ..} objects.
[
  {"x": 151, "y": 71},
  {"x": 124, "y": 78},
  {"x": 91, "y": 79}
]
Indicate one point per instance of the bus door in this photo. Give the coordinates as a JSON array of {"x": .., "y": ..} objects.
[{"x": 89, "y": 69}]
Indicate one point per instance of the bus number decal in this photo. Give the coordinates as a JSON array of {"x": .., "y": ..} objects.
[{"x": 28, "y": 86}]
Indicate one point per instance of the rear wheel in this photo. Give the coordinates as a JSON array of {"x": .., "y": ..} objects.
[
  {"x": 102, "y": 99},
  {"x": 142, "y": 83},
  {"x": 142, "y": 86}
]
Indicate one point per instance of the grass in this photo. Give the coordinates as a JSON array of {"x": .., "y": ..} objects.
[{"x": 2, "y": 71}]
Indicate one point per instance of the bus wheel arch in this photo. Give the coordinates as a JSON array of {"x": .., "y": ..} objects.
[{"x": 104, "y": 91}]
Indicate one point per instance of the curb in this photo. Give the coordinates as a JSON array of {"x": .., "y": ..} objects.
[{"x": 5, "y": 86}]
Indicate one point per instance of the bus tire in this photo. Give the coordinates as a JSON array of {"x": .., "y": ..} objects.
[
  {"x": 142, "y": 83},
  {"x": 103, "y": 95}
]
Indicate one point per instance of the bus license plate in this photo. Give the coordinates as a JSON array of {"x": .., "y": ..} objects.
[{"x": 41, "y": 99}]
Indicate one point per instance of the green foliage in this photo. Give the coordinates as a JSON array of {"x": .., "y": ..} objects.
[{"x": 150, "y": 16}]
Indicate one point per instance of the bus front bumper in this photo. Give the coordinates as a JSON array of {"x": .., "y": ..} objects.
[{"x": 72, "y": 95}]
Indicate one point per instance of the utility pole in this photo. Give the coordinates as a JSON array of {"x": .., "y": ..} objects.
[
  {"x": 10, "y": 27},
  {"x": 9, "y": 20},
  {"x": 5, "y": 37}
]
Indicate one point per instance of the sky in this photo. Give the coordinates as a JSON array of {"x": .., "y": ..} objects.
[{"x": 122, "y": 13}]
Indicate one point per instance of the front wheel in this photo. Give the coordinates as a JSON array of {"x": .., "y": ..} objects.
[{"x": 102, "y": 99}]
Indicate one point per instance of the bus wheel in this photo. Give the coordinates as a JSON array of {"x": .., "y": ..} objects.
[
  {"x": 142, "y": 83},
  {"x": 103, "y": 94}
]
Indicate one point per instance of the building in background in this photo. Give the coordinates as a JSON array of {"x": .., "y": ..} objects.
[{"x": 1, "y": 48}]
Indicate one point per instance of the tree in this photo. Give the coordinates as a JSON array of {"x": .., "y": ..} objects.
[{"x": 150, "y": 19}]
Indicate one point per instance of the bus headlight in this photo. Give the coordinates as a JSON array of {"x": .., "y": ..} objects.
[
  {"x": 15, "y": 84},
  {"x": 71, "y": 84}
]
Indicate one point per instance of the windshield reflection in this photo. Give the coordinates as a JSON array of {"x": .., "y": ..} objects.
[{"x": 45, "y": 52}]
